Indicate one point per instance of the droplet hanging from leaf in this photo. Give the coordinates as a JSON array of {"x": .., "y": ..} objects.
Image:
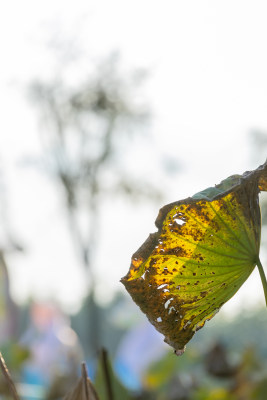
[{"x": 205, "y": 249}]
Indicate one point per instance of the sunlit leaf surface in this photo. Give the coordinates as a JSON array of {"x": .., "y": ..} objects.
[{"x": 205, "y": 248}]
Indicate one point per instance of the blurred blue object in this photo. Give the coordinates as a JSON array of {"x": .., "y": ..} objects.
[
  {"x": 53, "y": 345},
  {"x": 141, "y": 346}
]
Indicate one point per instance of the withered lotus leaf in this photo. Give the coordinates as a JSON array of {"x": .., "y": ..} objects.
[{"x": 205, "y": 248}]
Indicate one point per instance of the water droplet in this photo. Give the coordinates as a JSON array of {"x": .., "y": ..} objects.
[{"x": 179, "y": 352}]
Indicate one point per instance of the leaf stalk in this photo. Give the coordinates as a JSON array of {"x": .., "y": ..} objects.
[{"x": 263, "y": 278}]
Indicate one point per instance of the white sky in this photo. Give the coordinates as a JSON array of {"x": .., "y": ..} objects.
[{"x": 207, "y": 90}]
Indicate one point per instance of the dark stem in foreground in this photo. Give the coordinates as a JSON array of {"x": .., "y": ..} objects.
[
  {"x": 263, "y": 278},
  {"x": 106, "y": 372},
  {"x": 85, "y": 376},
  {"x": 8, "y": 378}
]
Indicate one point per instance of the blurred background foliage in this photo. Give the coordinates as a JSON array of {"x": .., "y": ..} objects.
[{"x": 87, "y": 128}]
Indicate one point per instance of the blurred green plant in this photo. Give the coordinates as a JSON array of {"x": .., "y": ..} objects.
[
  {"x": 197, "y": 377},
  {"x": 14, "y": 355}
]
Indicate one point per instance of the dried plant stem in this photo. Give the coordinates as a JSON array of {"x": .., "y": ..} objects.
[
  {"x": 8, "y": 378},
  {"x": 84, "y": 378},
  {"x": 106, "y": 372},
  {"x": 88, "y": 390}
]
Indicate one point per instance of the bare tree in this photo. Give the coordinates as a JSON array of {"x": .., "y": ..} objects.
[{"x": 84, "y": 130}]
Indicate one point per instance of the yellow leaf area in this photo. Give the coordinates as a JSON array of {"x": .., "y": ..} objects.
[{"x": 204, "y": 251}]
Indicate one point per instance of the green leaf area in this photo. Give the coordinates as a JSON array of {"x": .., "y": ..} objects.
[{"x": 205, "y": 248}]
